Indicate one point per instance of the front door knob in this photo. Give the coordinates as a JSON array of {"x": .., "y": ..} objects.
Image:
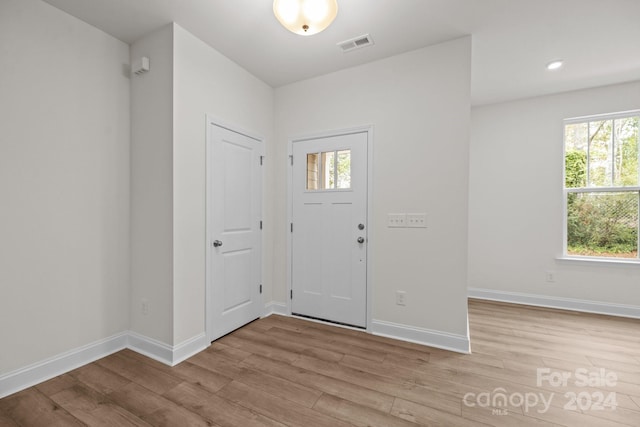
[
  {"x": 360, "y": 239},
  {"x": 217, "y": 243}
]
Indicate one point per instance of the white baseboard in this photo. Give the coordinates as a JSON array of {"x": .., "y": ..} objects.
[
  {"x": 443, "y": 340},
  {"x": 151, "y": 348},
  {"x": 52, "y": 367},
  {"x": 31, "y": 375},
  {"x": 274, "y": 307},
  {"x": 572, "y": 304},
  {"x": 190, "y": 347},
  {"x": 431, "y": 338}
]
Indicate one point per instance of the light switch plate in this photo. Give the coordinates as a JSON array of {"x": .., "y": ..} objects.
[
  {"x": 396, "y": 220},
  {"x": 417, "y": 220}
]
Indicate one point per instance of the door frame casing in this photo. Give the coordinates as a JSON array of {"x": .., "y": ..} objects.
[
  {"x": 368, "y": 129},
  {"x": 212, "y": 120}
]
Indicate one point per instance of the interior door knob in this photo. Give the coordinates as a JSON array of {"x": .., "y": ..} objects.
[
  {"x": 217, "y": 243},
  {"x": 360, "y": 239},
  {"x": 360, "y": 226}
]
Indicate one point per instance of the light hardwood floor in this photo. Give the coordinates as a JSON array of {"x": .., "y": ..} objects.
[{"x": 283, "y": 371}]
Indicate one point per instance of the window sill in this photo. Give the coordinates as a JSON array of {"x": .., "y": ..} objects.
[{"x": 597, "y": 260}]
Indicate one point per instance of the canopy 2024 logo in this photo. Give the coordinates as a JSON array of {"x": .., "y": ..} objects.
[{"x": 500, "y": 400}]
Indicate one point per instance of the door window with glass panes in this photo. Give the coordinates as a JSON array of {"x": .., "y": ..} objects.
[{"x": 602, "y": 186}]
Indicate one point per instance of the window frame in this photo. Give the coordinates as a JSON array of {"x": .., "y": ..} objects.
[
  {"x": 610, "y": 189},
  {"x": 320, "y": 172}
]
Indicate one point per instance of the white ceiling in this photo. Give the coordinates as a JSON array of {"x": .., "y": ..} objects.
[{"x": 513, "y": 40}]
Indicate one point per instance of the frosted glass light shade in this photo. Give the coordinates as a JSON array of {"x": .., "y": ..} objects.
[{"x": 305, "y": 17}]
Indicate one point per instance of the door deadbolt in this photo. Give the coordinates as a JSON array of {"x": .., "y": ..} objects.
[{"x": 360, "y": 226}]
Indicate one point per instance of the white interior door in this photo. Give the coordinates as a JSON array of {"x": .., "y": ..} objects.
[
  {"x": 329, "y": 242},
  {"x": 234, "y": 230}
]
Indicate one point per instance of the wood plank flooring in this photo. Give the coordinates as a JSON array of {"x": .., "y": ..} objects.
[{"x": 281, "y": 371}]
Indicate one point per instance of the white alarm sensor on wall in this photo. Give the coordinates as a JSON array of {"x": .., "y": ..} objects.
[{"x": 140, "y": 66}]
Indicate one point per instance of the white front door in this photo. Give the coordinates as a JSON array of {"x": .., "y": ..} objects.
[
  {"x": 329, "y": 242},
  {"x": 234, "y": 230}
]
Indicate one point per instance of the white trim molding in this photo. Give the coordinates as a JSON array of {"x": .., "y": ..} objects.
[
  {"x": 190, "y": 347},
  {"x": 275, "y": 307},
  {"x": 164, "y": 353},
  {"x": 36, "y": 373},
  {"x": 572, "y": 304},
  {"x": 428, "y": 337},
  {"x": 151, "y": 348}
]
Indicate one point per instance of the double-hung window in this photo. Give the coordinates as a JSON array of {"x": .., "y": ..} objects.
[{"x": 602, "y": 185}]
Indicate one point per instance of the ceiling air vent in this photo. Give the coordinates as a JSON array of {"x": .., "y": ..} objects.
[{"x": 356, "y": 43}]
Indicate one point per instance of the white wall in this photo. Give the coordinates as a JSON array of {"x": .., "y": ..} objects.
[
  {"x": 67, "y": 185},
  {"x": 206, "y": 82},
  {"x": 419, "y": 105},
  {"x": 188, "y": 80},
  {"x": 515, "y": 203},
  {"x": 152, "y": 188},
  {"x": 64, "y": 183}
]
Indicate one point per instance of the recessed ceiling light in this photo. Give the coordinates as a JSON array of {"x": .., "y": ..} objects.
[{"x": 554, "y": 65}]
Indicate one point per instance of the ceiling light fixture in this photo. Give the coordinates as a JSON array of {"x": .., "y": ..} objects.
[
  {"x": 305, "y": 17},
  {"x": 554, "y": 65}
]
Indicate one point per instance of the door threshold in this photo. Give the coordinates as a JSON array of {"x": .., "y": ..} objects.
[{"x": 328, "y": 322}]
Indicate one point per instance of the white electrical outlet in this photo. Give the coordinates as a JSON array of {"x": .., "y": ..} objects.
[
  {"x": 417, "y": 220},
  {"x": 401, "y": 298},
  {"x": 396, "y": 220},
  {"x": 549, "y": 276}
]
